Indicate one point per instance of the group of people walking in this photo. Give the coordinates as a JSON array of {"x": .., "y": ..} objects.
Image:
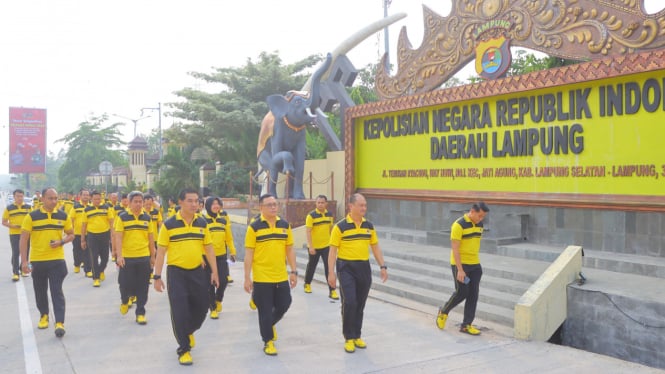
[{"x": 195, "y": 246}]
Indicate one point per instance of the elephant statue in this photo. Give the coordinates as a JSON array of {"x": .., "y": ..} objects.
[{"x": 282, "y": 140}]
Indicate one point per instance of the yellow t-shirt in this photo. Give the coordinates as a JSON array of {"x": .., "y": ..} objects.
[
  {"x": 98, "y": 219},
  {"x": 320, "y": 223},
  {"x": 15, "y": 214},
  {"x": 155, "y": 218},
  {"x": 269, "y": 244},
  {"x": 135, "y": 233},
  {"x": 353, "y": 241},
  {"x": 184, "y": 243},
  {"x": 469, "y": 236},
  {"x": 76, "y": 213},
  {"x": 43, "y": 228},
  {"x": 220, "y": 230}
]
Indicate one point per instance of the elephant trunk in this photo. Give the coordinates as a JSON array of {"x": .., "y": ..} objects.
[{"x": 313, "y": 101}]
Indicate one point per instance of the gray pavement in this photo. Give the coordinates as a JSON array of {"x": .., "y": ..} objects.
[{"x": 400, "y": 339}]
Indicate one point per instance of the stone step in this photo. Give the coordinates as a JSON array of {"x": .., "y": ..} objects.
[
  {"x": 650, "y": 266},
  {"x": 484, "y": 311},
  {"x": 432, "y": 285}
]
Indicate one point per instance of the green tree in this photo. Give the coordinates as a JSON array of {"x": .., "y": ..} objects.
[
  {"x": 228, "y": 119},
  {"x": 87, "y": 147},
  {"x": 231, "y": 180},
  {"x": 177, "y": 171}
]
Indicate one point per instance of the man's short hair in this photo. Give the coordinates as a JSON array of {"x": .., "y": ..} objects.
[
  {"x": 322, "y": 197},
  {"x": 354, "y": 197},
  {"x": 183, "y": 193},
  {"x": 263, "y": 197},
  {"x": 133, "y": 194},
  {"x": 95, "y": 192},
  {"x": 476, "y": 207},
  {"x": 18, "y": 190}
]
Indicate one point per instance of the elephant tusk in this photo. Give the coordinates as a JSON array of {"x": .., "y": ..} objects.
[
  {"x": 309, "y": 112},
  {"x": 320, "y": 112},
  {"x": 355, "y": 39}
]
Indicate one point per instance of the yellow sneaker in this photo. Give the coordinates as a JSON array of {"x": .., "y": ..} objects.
[
  {"x": 359, "y": 343},
  {"x": 96, "y": 283},
  {"x": 274, "y": 333},
  {"x": 192, "y": 341},
  {"x": 141, "y": 320},
  {"x": 252, "y": 306},
  {"x": 349, "y": 346},
  {"x": 130, "y": 302},
  {"x": 43, "y": 322},
  {"x": 25, "y": 274},
  {"x": 308, "y": 288},
  {"x": 185, "y": 359},
  {"x": 218, "y": 307},
  {"x": 102, "y": 276},
  {"x": 269, "y": 348},
  {"x": 88, "y": 274},
  {"x": 59, "y": 329},
  {"x": 124, "y": 308},
  {"x": 77, "y": 269},
  {"x": 333, "y": 295},
  {"x": 229, "y": 279},
  {"x": 15, "y": 277},
  {"x": 214, "y": 314},
  {"x": 441, "y": 319},
  {"x": 469, "y": 329}
]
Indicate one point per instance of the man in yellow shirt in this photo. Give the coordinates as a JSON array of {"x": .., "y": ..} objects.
[
  {"x": 44, "y": 228},
  {"x": 318, "y": 224},
  {"x": 350, "y": 241},
  {"x": 268, "y": 246},
  {"x": 182, "y": 239},
  {"x": 96, "y": 235},
  {"x": 465, "y": 234},
  {"x": 81, "y": 255},
  {"x": 134, "y": 253},
  {"x": 12, "y": 218}
]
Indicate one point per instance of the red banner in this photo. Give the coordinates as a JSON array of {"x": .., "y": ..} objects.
[{"x": 27, "y": 140}]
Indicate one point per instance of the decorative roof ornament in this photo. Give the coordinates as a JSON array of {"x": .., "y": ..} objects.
[{"x": 484, "y": 29}]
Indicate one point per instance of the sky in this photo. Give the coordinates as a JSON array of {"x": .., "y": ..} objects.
[{"x": 79, "y": 58}]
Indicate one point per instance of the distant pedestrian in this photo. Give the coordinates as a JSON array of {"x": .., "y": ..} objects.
[
  {"x": 318, "y": 225},
  {"x": 44, "y": 228},
  {"x": 12, "y": 218},
  {"x": 96, "y": 235},
  {"x": 183, "y": 239},
  {"x": 268, "y": 247},
  {"x": 81, "y": 255},
  {"x": 465, "y": 235},
  {"x": 350, "y": 242}
]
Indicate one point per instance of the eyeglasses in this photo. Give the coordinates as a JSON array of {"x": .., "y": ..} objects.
[{"x": 270, "y": 205}]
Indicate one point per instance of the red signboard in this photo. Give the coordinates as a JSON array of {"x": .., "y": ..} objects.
[{"x": 27, "y": 140}]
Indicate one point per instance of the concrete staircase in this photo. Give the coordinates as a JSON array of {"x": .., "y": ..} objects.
[{"x": 420, "y": 276}]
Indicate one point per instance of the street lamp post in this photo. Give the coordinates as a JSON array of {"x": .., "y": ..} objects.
[
  {"x": 159, "y": 111},
  {"x": 133, "y": 120}
]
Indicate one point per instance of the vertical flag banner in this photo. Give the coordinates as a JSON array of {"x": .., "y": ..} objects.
[{"x": 27, "y": 140}]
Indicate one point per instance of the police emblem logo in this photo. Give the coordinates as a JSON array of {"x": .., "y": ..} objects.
[{"x": 493, "y": 57}]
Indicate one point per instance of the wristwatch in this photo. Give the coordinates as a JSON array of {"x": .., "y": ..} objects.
[
  {"x": 383, "y": 267},
  {"x": 156, "y": 277}
]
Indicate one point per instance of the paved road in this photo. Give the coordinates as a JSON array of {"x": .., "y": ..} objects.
[{"x": 100, "y": 340}]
